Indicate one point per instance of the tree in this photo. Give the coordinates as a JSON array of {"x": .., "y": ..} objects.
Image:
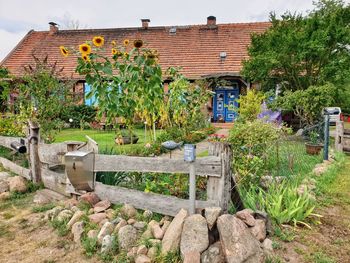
[{"x": 297, "y": 52}]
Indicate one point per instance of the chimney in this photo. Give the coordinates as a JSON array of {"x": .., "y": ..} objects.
[
  {"x": 145, "y": 23},
  {"x": 211, "y": 21},
  {"x": 53, "y": 28}
]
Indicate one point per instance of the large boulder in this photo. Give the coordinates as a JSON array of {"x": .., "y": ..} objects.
[
  {"x": 238, "y": 244},
  {"x": 192, "y": 257},
  {"x": 4, "y": 186},
  {"x": 213, "y": 254},
  {"x": 194, "y": 235},
  {"x": 211, "y": 215},
  {"x": 259, "y": 230},
  {"x": 17, "y": 184},
  {"x": 127, "y": 236},
  {"x": 171, "y": 239},
  {"x": 78, "y": 230}
]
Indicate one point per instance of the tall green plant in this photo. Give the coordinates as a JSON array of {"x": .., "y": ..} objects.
[{"x": 250, "y": 105}]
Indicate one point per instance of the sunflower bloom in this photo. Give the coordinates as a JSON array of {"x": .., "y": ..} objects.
[
  {"x": 138, "y": 43},
  {"x": 64, "y": 51},
  {"x": 114, "y": 51},
  {"x": 85, "y": 57},
  {"x": 114, "y": 43},
  {"x": 98, "y": 41},
  {"x": 85, "y": 49},
  {"x": 126, "y": 42}
]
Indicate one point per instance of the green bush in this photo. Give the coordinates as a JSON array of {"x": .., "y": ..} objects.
[
  {"x": 80, "y": 114},
  {"x": 281, "y": 201},
  {"x": 250, "y": 142},
  {"x": 10, "y": 125},
  {"x": 250, "y": 105}
]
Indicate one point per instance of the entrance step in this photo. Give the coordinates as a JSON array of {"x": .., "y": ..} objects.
[{"x": 226, "y": 125}]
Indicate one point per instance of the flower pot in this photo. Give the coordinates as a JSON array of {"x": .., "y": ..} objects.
[
  {"x": 126, "y": 139},
  {"x": 313, "y": 149}
]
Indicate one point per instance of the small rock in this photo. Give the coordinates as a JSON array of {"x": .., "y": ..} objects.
[
  {"x": 147, "y": 234},
  {"x": 127, "y": 236},
  {"x": 128, "y": 211},
  {"x": 131, "y": 221},
  {"x": 120, "y": 225},
  {"x": 103, "y": 222},
  {"x": 52, "y": 213},
  {"x": 106, "y": 229},
  {"x": 299, "y": 132},
  {"x": 156, "y": 230},
  {"x": 211, "y": 215},
  {"x": 246, "y": 216},
  {"x": 4, "y": 196},
  {"x": 142, "y": 250},
  {"x": 264, "y": 216},
  {"x": 116, "y": 220},
  {"x": 75, "y": 218},
  {"x": 319, "y": 169},
  {"x": 90, "y": 198},
  {"x": 152, "y": 253},
  {"x": 147, "y": 214},
  {"x": 110, "y": 213},
  {"x": 267, "y": 180},
  {"x": 97, "y": 218},
  {"x": 154, "y": 242},
  {"x": 78, "y": 230},
  {"x": 171, "y": 239},
  {"x": 74, "y": 209},
  {"x": 64, "y": 215},
  {"x": 102, "y": 206},
  {"x": 192, "y": 257},
  {"x": 140, "y": 225},
  {"x": 142, "y": 259},
  {"x": 194, "y": 235},
  {"x": 4, "y": 186},
  {"x": 107, "y": 243},
  {"x": 17, "y": 183},
  {"x": 213, "y": 254},
  {"x": 165, "y": 225},
  {"x": 69, "y": 203},
  {"x": 259, "y": 230},
  {"x": 164, "y": 218},
  {"x": 267, "y": 246},
  {"x": 92, "y": 233},
  {"x": 132, "y": 252},
  {"x": 91, "y": 211}
]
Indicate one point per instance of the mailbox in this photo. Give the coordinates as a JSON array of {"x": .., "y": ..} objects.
[
  {"x": 80, "y": 169},
  {"x": 189, "y": 152}
]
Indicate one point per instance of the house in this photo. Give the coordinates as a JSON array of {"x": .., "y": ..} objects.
[{"x": 209, "y": 50}]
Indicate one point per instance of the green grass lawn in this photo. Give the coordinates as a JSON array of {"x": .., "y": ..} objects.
[{"x": 105, "y": 139}]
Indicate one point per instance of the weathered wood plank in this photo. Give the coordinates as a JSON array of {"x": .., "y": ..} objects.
[
  {"x": 166, "y": 205},
  {"x": 54, "y": 181},
  {"x": 53, "y": 153},
  {"x": 15, "y": 168},
  {"x": 210, "y": 166},
  {"x": 92, "y": 145},
  {"x": 7, "y": 140}
]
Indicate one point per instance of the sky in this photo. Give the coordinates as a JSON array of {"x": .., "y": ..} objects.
[{"x": 17, "y": 17}]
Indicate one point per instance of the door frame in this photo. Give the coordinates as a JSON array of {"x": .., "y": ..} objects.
[{"x": 224, "y": 90}]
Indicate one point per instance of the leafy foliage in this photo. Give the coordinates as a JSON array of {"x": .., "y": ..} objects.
[
  {"x": 250, "y": 105},
  {"x": 79, "y": 114},
  {"x": 12, "y": 125}
]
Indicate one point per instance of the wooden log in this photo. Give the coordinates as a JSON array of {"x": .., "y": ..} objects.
[
  {"x": 35, "y": 164},
  {"x": 54, "y": 181},
  {"x": 166, "y": 205},
  {"x": 223, "y": 189},
  {"x": 15, "y": 168},
  {"x": 206, "y": 166},
  {"x": 92, "y": 145},
  {"x": 339, "y": 133}
]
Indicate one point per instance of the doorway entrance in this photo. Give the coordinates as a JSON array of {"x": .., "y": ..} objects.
[{"x": 225, "y": 104}]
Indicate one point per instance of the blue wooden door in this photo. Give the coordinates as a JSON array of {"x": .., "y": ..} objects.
[
  {"x": 225, "y": 104},
  {"x": 88, "y": 101}
]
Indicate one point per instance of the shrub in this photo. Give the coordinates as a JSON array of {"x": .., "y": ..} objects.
[
  {"x": 10, "y": 125},
  {"x": 250, "y": 105},
  {"x": 80, "y": 114}
]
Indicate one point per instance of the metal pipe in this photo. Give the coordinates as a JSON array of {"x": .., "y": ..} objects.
[{"x": 192, "y": 188}]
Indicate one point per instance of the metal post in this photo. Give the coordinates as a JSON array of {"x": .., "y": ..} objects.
[
  {"x": 326, "y": 137},
  {"x": 192, "y": 188}
]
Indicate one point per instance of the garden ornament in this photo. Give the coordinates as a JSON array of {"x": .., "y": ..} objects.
[{"x": 171, "y": 145}]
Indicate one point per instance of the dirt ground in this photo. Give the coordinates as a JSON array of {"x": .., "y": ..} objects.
[{"x": 27, "y": 238}]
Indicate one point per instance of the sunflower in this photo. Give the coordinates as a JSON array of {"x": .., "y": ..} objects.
[
  {"x": 138, "y": 43},
  {"x": 126, "y": 42},
  {"x": 85, "y": 49},
  {"x": 64, "y": 51},
  {"x": 98, "y": 41},
  {"x": 85, "y": 57},
  {"x": 114, "y": 51},
  {"x": 114, "y": 43}
]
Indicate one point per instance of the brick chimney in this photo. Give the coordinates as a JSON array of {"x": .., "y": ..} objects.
[
  {"x": 53, "y": 28},
  {"x": 145, "y": 23},
  {"x": 211, "y": 21}
]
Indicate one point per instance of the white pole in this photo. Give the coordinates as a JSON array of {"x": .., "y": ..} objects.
[{"x": 192, "y": 188}]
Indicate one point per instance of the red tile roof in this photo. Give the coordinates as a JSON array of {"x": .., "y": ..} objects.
[{"x": 195, "y": 48}]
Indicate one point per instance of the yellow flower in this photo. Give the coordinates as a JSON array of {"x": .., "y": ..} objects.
[
  {"x": 85, "y": 49},
  {"x": 85, "y": 57},
  {"x": 114, "y": 43},
  {"x": 64, "y": 51},
  {"x": 126, "y": 42},
  {"x": 138, "y": 43},
  {"x": 125, "y": 54},
  {"x": 98, "y": 41},
  {"x": 114, "y": 51}
]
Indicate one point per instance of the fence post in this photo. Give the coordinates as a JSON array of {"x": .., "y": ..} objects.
[
  {"x": 223, "y": 189},
  {"x": 339, "y": 133},
  {"x": 33, "y": 143}
]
